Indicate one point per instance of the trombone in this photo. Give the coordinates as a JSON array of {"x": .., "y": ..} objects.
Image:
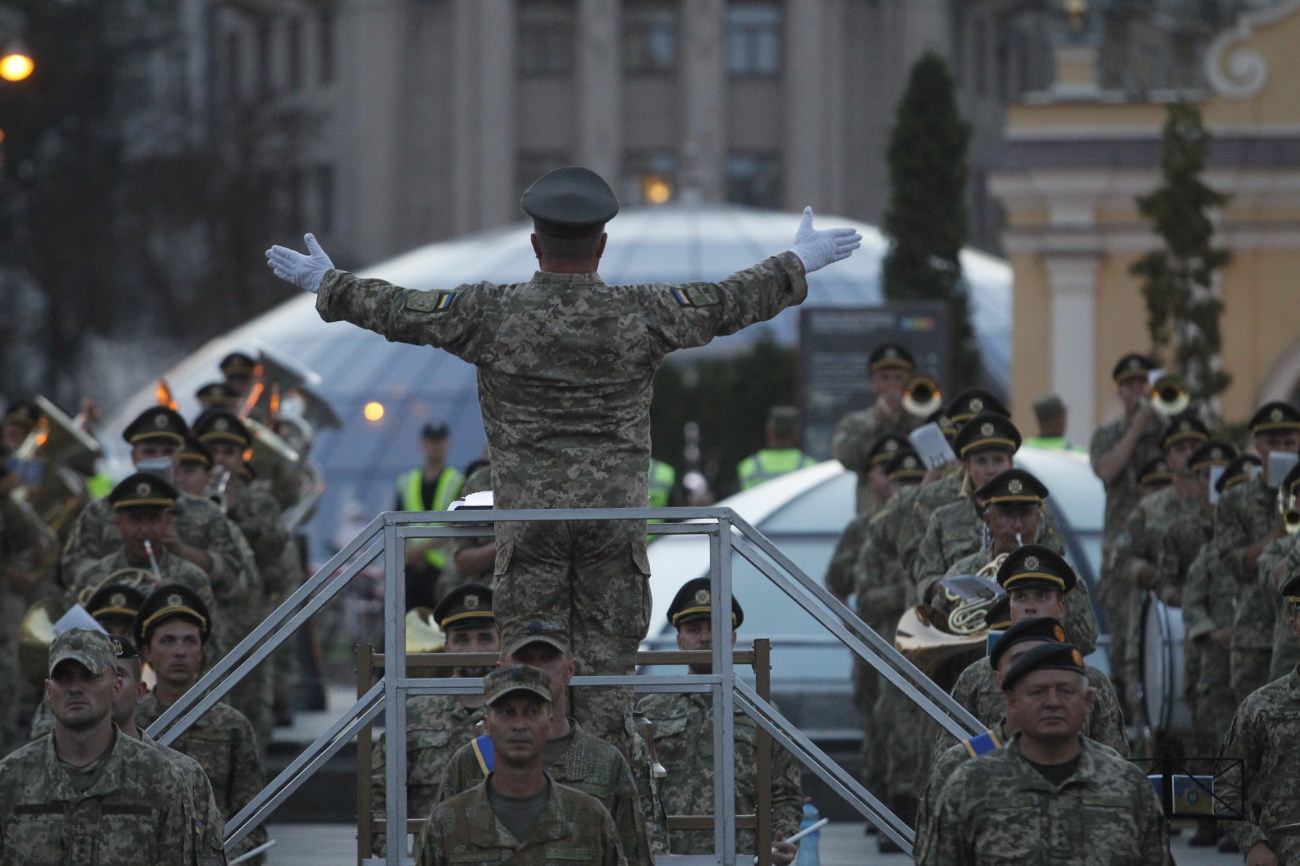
[{"x": 921, "y": 396}]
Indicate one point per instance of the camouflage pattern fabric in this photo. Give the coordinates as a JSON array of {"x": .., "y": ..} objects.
[
  {"x": 1279, "y": 560},
  {"x": 839, "y": 573},
  {"x": 683, "y": 738},
  {"x": 589, "y": 765},
  {"x": 1246, "y": 513},
  {"x": 479, "y": 480},
  {"x": 1209, "y": 602},
  {"x": 1123, "y": 491},
  {"x": 135, "y": 811},
  {"x": 854, "y": 438},
  {"x": 575, "y": 829},
  {"x": 24, "y": 541},
  {"x": 999, "y": 809},
  {"x": 209, "y": 828},
  {"x": 915, "y": 519},
  {"x": 1265, "y": 735},
  {"x": 955, "y": 531}
]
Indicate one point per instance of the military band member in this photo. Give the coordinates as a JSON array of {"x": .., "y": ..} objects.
[
  {"x": 889, "y": 367},
  {"x": 839, "y": 573},
  {"x": 1050, "y": 795},
  {"x": 194, "y": 468},
  {"x": 1119, "y": 449},
  {"x": 1279, "y": 560},
  {"x": 518, "y": 814},
  {"x": 86, "y": 794},
  {"x": 218, "y": 395},
  {"x": 1154, "y": 476},
  {"x": 782, "y": 453},
  {"x": 238, "y": 369}
]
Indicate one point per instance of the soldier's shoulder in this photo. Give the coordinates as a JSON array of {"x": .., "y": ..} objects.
[
  {"x": 197, "y": 507},
  {"x": 430, "y": 710},
  {"x": 978, "y": 671},
  {"x": 1266, "y": 699},
  {"x": 577, "y": 802},
  {"x": 147, "y": 769},
  {"x": 661, "y": 706},
  {"x": 1110, "y": 764},
  {"x": 21, "y": 760},
  {"x": 223, "y": 715},
  {"x": 590, "y": 749}
]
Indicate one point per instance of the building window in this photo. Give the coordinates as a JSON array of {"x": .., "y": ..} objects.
[
  {"x": 293, "y": 53},
  {"x": 545, "y": 38},
  {"x": 264, "y": 56},
  {"x": 754, "y": 179},
  {"x": 325, "y": 48},
  {"x": 650, "y": 37},
  {"x": 753, "y": 38},
  {"x": 232, "y": 52},
  {"x": 325, "y": 198},
  {"x": 649, "y": 177}
]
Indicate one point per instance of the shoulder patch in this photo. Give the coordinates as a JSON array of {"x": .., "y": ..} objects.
[
  {"x": 696, "y": 295},
  {"x": 430, "y": 302}
]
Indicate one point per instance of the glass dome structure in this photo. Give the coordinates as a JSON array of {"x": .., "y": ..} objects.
[{"x": 413, "y": 384}]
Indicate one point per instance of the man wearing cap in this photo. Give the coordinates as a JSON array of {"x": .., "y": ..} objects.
[
  {"x": 1052, "y": 416},
  {"x": 238, "y": 368},
  {"x": 86, "y": 794},
  {"x": 782, "y": 453},
  {"x": 438, "y": 725},
  {"x": 683, "y": 723},
  {"x": 889, "y": 367},
  {"x": 1265, "y": 736},
  {"x": 1050, "y": 795},
  {"x": 840, "y": 572},
  {"x": 194, "y": 467},
  {"x": 518, "y": 814},
  {"x": 432, "y": 486},
  {"x": 565, "y": 371},
  {"x": 217, "y": 395},
  {"x": 1120, "y": 448},
  {"x": 572, "y": 756},
  {"x": 171, "y": 631},
  {"x": 1279, "y": 560},
  {"x": 1245, "y": 521}
]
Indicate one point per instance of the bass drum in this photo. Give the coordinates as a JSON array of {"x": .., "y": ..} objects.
[{"x": 1161, "y": 668}]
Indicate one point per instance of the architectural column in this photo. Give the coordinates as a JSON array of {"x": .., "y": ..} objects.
[
  {"x": 807, "y": 99},
  {"x": 703, "y": 98},
  {"x": 599, "y": 70},
  {"x": 1072, "y": 286},
  {"x": 483, "y": 115}
]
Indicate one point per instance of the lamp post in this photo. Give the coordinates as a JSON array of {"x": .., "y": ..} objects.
[{"x": 15, "y": 60}]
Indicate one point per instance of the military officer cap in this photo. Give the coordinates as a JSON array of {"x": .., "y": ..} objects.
[
  {"x": 695, "y": 601},
  {"x": 1011, "y": 488},
  {"x": 905, "y": 467},
  {"x": 946, "y": 427},
  {"x": 538, "y": 631},
  {"x": 117, "y": 602},
  {"x": 972, "y": 402},
  {"x": 1291, "y": 592},
  {"x": 884, "y": 449},
  {"x": 23, "y": 413},
  {"x": 90, "y": 647},
  {"x": 987, "y": 431},
  {"x": 1213, "y": 452},
  {"x": 435, "y": 430},
  {"x": 217, "y": 394},
  {"x": 468, "y": 605},
  {"x": 1132, "y": 366},
  {"x": 890, "y": 355},
  {"x": 194, "y": 451},
  {"x": 221, "y": 425},
  {"x": 1155, "y": 472},
  {"x": 238, "y": 364},
  {"x": 516, "y": 678},
  {"x": 169, "y": 601},
  {"x": 1034, "y": 628},
  {"x": 123, "y": 648},
  {"x": 998, "y": 615},
  {"x": 569, "y": 202},
  {"x": 1182, "y": 428},
  {"x": 1049, "y": 657},
  {"x": 1275, "y": 417},
  {"x": 1033, "y": 565},
  {"x": 142, "y": 492},
  {"x": 157, "y": 422},
  {"x": 1241, "y": 468}
]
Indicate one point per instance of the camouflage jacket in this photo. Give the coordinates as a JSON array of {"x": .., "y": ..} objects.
[
  {"x": 839, "y": 573},
  {"x": 854, "y": 437},
  {"x": 684, "y": 740},
  {"x": 589, "y": 765},
  {"x": 999, "y": 809},
  {"x": 1209, "y": 595},
  {"x": 1246, "y": 513},
  {"x": 924, "y": 501},
  {"x": 260, "y": 518},
  {"x": 575, "y": 829},
  {"x": 436, "y": 726},
  {"x": 1123, "y": 491},
  {"x": 1141, "y": 541},
  {"x": 884, "y": 590},
  {"x": 136, "y": 812},
  {"x": 975, "y": 691},
  {"x": 479, "y": 480},
  {"x": 209, "y": 828},
  {"x": 565, "y": 364},
  {"x": 1265, "y": 735}
]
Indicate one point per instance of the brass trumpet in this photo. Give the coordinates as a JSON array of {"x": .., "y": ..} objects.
[
  {"x": 1288, "y": 510},
  {"x": 921, "y": 396},
  {"x": 1169, "y": 396}
]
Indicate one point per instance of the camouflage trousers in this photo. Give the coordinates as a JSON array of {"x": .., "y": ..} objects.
[
  {"x": 1210, "y": 696},
  {"x": 905, "y": 734},
  {"x": 1250, "y": 667},
  {"x": 590, "y": 579}
]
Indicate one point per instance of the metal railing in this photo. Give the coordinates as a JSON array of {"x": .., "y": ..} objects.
[{"x": 727, "y": 534}]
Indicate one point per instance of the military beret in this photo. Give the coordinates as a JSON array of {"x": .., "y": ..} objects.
[
  {"x": 1012, "y": 487},
  {"x": 1241, "y": 468},
  {"x": 435, "y": 430},
  {"x": 23, "y": 413},
  {"x": 695, "y": 601},
  {"x": 1132, "y": 366},
  {"x": 905, "y": 467},
  {"x": 238, "y": 364},
  {"x": 217, "y": 394},
  {"x": 157, "y": 422},
  {"x": 972, "y": 402},
  {"x": 1291, "y": 592},
  {"x": 142, "y": 491},
  {"x": 469, "y": 604},
  {"x": 221, "y": 425},
  {"x": 1213, "y": 452},
  {"x": 1155, "y": 472},
  {"x": 1036, "y": 565},
  {"x": 90, "y": 647},
  {"x": 123, "y": 648},
  {"x": 537, "y": 631},
  {"x": 569, "y": 202},
  {"x": 1048, "y": 406},
  {"x": 1049, "y": 657},
  {"x": 1034, "y": 628},
  {"x": 116, "y": 601},
  {"x": 1181, "y": 428},
  {"x": 516, "y": 678},
  {"x": 890, "y": 355},
  {"x": 169, "y": 601},
  {"x": 1273, "y": 417},
  {"x": 886, "y": 447},
  {"x": 194, "y": 451},
  {"x": 983, "y": 432}
]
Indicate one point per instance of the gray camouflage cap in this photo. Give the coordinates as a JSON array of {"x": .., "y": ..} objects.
[
  {"x": 92, "y": 648},
  {"x": 516, "y": 678}
]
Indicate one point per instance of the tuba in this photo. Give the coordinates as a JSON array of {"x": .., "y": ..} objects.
[
  {"x": 35, "y": 634},
  {"x": 1169, "y": 396},
  {"x": 54, "y": 490},
  {"x": 943, "y": 637},
  {"x": 921, "y": 396}
]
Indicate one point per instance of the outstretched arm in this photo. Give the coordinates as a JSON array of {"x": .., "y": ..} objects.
[
  {"x": 305, "y": 272},
  {"x": 817, "y": 248}
]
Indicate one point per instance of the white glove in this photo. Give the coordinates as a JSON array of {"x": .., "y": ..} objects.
[
  {"x": 305, "y": 272},
  {"x": 817, "y": 249}
]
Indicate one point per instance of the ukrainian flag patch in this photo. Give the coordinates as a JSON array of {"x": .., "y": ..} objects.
[
  {"x": 696, "y": 296},
  {"x": 430, "y": 302}
]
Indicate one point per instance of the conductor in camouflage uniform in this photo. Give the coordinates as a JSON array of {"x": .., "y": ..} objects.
[
  {"x": 565, "y": 369},
  {"x": 889, "y": 367}
]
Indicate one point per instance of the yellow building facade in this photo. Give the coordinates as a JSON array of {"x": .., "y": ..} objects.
[{"x": 1075, "y": 160}]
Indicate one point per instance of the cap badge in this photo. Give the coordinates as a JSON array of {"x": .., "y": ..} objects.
[
  {"x": 471, "y": 602},
  {"x": 1216, "y": 453},
  {"x": 1015, "y": 486},
  {"x": 976, "y": 405},
  {"x": 117, "y": 599},
  {"x": 1077, "y": 657},
  {"x": 986, "y": 429},
  {"x": 909, "y": 462},
  {"x": 221, "y": 424},
  {"x": 1031, "y": 563},
  {"x": 160, "y": 420},
  {"x": 174, "y": 600},
  {"x": 1275, "y": 415},
  {"x": 891, "y": 352},
  {"x": 891, "y": 444},
  {"x": 701, "y": 596},
  {"x": 143, "y": 489},
  {"x": 1134, "y": 363}
]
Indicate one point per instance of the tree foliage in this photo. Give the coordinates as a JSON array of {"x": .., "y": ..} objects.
[
  {"x": 927, "y": 219},
  {"x": 1178, "y": 280}
]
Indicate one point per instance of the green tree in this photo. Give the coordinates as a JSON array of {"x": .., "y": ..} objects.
[
  {"x": 926, "y": 219},
  {"x": 1183, "y": 307}
]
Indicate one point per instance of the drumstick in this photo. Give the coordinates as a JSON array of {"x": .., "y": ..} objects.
[{"x": 804, "y": 832}]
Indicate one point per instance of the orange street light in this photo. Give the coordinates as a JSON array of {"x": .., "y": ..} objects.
[{"x": 16, "y": 64}]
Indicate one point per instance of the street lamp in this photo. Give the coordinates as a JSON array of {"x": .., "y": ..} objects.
[{"x": 16, "y": 62}]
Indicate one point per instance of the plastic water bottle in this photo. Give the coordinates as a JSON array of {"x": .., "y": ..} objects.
[{"x": 808, "y": 853}]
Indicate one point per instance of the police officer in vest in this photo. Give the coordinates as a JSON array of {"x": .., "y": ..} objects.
[
  {"x": 432, "y": 486},
  {"x": 782, "y": 453}
]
